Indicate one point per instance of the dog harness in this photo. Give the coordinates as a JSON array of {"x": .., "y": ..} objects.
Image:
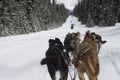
[{"x": 83, "y": 48}]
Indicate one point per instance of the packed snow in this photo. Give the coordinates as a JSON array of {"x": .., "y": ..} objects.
[{"x": 20, "y": 55}]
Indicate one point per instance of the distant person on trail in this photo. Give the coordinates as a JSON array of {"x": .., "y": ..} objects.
[{"x": 72, "y": 25}]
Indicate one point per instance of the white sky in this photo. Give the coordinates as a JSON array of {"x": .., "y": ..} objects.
[{"x": 69, "y": 4}]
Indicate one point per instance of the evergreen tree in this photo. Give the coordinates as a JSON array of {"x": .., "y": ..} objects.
[
  {"x": 98, "y": 12},
  {"x": 26, "y": 16}
]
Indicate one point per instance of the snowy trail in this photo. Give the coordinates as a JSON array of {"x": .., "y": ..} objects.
[{"x": 20, "y": 55}]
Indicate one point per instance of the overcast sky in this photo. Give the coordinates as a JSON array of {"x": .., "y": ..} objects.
[{"x": 69, "y": 3}]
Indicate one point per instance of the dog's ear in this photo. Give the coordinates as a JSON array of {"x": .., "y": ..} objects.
[
  {"x": 87, "y": 34},
  {"x": 51, "y": 40},
  {"x": 57, "y": 39},
  {"x": 78, "y": 35},
  {"x": 73, "y": 34},
  {"x": 68, "y": 33}
]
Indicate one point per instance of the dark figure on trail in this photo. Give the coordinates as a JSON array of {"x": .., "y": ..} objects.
[{"x": 72, "y": 25}]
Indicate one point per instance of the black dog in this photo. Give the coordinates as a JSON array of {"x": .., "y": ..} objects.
[{"x": 55, "y": 59}]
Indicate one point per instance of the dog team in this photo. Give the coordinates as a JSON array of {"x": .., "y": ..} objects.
[{"x": 85, "y": 55}]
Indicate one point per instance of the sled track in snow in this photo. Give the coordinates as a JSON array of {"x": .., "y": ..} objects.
[
  {"x": 112, "y": 56},
  {"x": 114, "y": 64}
]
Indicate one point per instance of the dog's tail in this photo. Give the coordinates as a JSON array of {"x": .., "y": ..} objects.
[
  {"x": 44, "y": 61},
  {"x": 47, "y": 60}
]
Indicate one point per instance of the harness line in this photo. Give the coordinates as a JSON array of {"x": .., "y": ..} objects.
[{"x": 67, "y": 65}]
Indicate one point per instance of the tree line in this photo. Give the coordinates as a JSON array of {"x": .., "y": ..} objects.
[
  {"x": 98, "y": 12},
  {"x": 26, "y": 16}
]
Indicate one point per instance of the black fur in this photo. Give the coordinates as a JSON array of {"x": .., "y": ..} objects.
[{"x": 55, "y": 60}]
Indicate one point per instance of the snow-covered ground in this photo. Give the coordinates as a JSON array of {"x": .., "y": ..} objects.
[{"x": 20, "y": 55}]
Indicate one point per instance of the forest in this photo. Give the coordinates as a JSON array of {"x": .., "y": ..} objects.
[
  {"x": 98, "y": 12},
  {"x": 26, "y": 16}
]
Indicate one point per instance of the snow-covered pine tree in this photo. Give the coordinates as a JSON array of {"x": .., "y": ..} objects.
[
  {"x": 26, "y": 16},
  {"x": 101, "y": 12}
]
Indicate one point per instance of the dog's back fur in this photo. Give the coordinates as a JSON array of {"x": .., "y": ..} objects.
[{"x": 54, "y": 59}]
